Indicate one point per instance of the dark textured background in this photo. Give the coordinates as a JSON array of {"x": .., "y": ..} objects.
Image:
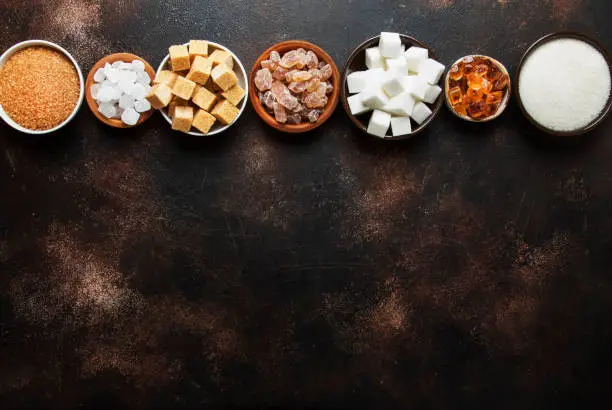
[{"x": 144, "y": 269}]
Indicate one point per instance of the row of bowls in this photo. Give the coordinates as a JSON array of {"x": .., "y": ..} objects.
[{"x": 355, "y": 62}]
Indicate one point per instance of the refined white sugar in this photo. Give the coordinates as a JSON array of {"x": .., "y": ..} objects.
[
  {"x": 373, "y": 59},
  {"x": 94, "y": 89},
  {"x": 126, "y": 101},
  {"x": 357, "y": 81},
  {"x": 356, "y": 105},
  {"x": 414, "y": 57},
  {"x": 99, "y": 76},
  {"x": 400, "y": 126},
  {"x": 138, "y": 65},
  {"x": 143, "y": 77},
  {"x": 130, "y": 116},
  {"x": 143, "y": 105},
  {"x": 390, "y": 45},
  {"x": 379, "y": 123},
  {"x": 398, "y": 65},
  {"x": 401, "y": 104},
  {"x": 420, "y": 112},
  {"x": 394, "y": 84},
  {"x": 138, "y": 91},
  {"x": 417, "y": 86},
  {"x": 107, "y": 109},
  {"x": 373, "y": 97},
  {"x": 432, "y": 93},
  {"x": 431, "y": 71}
]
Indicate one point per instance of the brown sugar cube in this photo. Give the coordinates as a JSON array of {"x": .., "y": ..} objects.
[
  {"x": 183, "y": 117},
  {"x": 197, "y": 48},
  {"x": 212, "y": 87},
  {"x": 225, "y": 112},
  {"x": 183, "y": 88},
  {"x": 204, "y": 98},
  {"x": 176, "y": 101},
  {"x": 224, "y": 77},
  {"x": 203, "y": 121},
  {"x": 200, "y": 70},
  {"x": 179, "y": 58},
  {"x": 159, "y": 96},
  {"x": 165, "y": 77},
  {"x": 234, "y": 95},
  {"x": 222, "y": 57}
]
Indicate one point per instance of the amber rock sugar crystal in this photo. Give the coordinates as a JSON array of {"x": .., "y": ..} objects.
[{"x": 39, "y": 88}]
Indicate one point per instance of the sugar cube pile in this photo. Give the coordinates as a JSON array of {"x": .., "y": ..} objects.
[
  {"x": 120, "y": 89},
  {"x": 397, "y": 86}
]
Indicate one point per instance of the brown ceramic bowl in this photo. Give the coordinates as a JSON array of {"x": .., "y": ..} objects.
[
  {"x": 502, "y": 105},
  {"x": 555, "y": 36},
  {"x": 356, "y": 62},
  {"x": 282, "y": 48},
  {"x": 93, "y": 105}
]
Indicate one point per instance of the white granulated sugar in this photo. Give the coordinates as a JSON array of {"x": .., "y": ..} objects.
[{"x": 564, "y": 84}]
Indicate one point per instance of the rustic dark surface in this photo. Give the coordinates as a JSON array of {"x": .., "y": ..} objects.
[{"x": 467, "y": 268}]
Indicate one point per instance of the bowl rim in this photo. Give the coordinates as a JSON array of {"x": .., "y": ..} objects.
[
  {"x": 114, "y": 122},
  {"x": 32, "y": 43},
  {"x": 555, "y": 36},
  {"x": 503, "y": 105},
  {"x": 328, "y": 109},
  {"x": 344, "y": 91},
  {"x": 243, "y": 104}
]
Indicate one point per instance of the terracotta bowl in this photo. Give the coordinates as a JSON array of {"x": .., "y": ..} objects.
[
  {"x": 93, "y": 105},
  {"x": 356, "y": 62},
  {"x": 282, "y": 48},
  {"x": 502, "y": 105},
  {"x": 556, "y": 36}
]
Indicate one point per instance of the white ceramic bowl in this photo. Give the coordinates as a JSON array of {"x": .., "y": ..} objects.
[
  {"x": 30, "y": 43},
  {"x": 242, "y": 82}
]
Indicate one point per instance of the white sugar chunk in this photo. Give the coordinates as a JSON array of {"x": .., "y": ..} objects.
[
  {"x": 393, "y": 85},
  {"x": 398, "y": 65},
  {"x": 357, "y": 81},
  {"x": 107, "y": 109},
  {"x": 115, "y": 93},
  {"x": 356, "y": 105},
  {"x": 94, "y": 89},
  {"x": 373, "y": 59},
  {"x": 417, "y": 86},
  {"x": 414, "y": 57},
  {"x": 99, "y": 76},
  {"x": 125, "y": 66},
  {"x": 107, "y": 68},
  {"x": 130, "y": 116},
  {"x": 143, "y": 77},
  {"x": 138, "y": 91},
  {"x": 432, "y": 93},
  {"x": 379, "y": 123},
  {"x": 126, "y": 101},
  {"x": 125, "y": 86},
  {"x": 104, "y": 94},
  {"x": 116, "y": 64},
  {"x": 373, "y": 97},
  {"x": 143, "y": 105},
  {"x": 390, "y": 45},
  {"x": 138, "y": 65},
  {"x": 401, "y": 104},
  {"x": 400, "y": 126},
  {"x": 113, "y": 75},
  {"x": 431, "y": 71},
  {"x": 420, "y": 113},
  {"x": 147, "y": 88}
]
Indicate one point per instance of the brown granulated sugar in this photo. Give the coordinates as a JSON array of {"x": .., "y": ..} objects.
[{"x": 39, "y": 88}]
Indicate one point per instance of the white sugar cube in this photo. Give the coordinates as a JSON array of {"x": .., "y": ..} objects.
[
  {"x": 417, "y": 86},
  {"x": 373, "y": 97},
  {"x": 420, "y": 113},
  {"x": 126, "y": 101},
  {"x": 373, "y": 59},
  {"x": 138, "y": 91},
  {"x": 398, "y": 65},
  {"x": 390, "y": 45},
  {"x": 143, "y": 105},
  {"x": 107, "y": 109},
  {"x": 99, "y": 76},
  {"x": 130, "y": 116},
  {"x": 431, "y": 71},
  {"x": 379, "y": 123},
  {"x": 393, "y": 85},
  {"x": 432, "y": 93},
  {"x": 138, "y": 65},
  {"x": 401, "y": 104},
  {"x": 94, "y": 89},
  {"x": 357, "y": 81},
  {"x": 356, "y": 105},
  {"x": 400, "y": 126},
  {"x": 143, "y": 77},
  {"x": 414, "y": 57}
]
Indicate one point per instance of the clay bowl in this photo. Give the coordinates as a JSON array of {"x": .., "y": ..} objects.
[
  {"x": 556, "y": 36},
  {"x": 282, "y": 48},
  {"x": 502, "y": 105},
  {"x": 93, "y": 105},
  {"x": 356, "y": 62}
]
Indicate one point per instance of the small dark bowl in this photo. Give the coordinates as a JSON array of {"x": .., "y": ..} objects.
[
  {"x": 555, "y": 36},
  {"x": 356, "y": 62}
]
